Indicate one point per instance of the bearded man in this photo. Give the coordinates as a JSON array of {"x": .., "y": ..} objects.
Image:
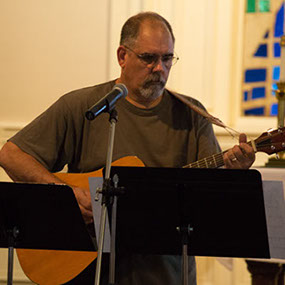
[{"x": 153, "y": 125}]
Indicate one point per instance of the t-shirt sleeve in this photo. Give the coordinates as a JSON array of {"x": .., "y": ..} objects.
[
  {"x": 207, "y": 143},
  {"x": 50, "y": 137}
]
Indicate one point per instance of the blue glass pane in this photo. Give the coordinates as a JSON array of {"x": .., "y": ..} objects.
[
  {"x": 274, "y": 109},
  {"x": 258, "y": 92},
  {"x": 278, "y": 31},
  {"x": 274, "y": 87},
  {"x": 255, "y": 75},
  {"x": 277, "y": 50},
  {"x": 255, "y": 111},
  {"x": 245, "y": 95},
  {"x": 261, "y": 51},
  {"x": 266, "y": 35},
  {"x": 276, "y": 73}
]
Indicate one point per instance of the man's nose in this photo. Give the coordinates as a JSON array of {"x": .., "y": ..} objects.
[{"x": 159, "y": 66}]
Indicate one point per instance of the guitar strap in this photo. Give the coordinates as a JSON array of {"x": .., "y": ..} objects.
[
  {"x": 199, "y": 110},
  {"x": 204, "y": 113},
  {"x": 209, "y": 117}
]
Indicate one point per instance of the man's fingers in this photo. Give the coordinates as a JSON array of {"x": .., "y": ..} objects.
[
  {"x": 247, "y": 150},
  {"x": 242, "y": 138},
  {"x": 84, "y": 201},
  {"x": 240, "y": 156}
]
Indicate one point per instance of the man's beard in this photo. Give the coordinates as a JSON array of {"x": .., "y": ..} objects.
[{"x": 152, "y": 87}]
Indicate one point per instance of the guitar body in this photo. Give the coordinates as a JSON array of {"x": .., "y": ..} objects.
[
  {"x": 59, "y": 266},
  {"x": 53, "y": 266}
]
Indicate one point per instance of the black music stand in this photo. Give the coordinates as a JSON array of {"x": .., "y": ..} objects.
[
  {"x": 40, "y": 216},
  {"x": 222, "y": 211}
]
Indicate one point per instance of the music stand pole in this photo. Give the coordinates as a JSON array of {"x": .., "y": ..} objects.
[
  {"x": 10, "y": 265},
  {"x": 107, "y": 200},
  {"x": 113, "y": 233},
  {"x": 12, "y": 236},
  {"x": 185, "y": 232}
]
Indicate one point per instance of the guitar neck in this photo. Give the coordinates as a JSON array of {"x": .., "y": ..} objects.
[{"x": 213, "y": 161}]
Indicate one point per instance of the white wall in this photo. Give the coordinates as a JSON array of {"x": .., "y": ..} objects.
[{"x": 48, "y": 48}]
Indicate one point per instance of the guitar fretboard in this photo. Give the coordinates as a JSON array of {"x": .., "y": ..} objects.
[{"x": 213, "y": 161}]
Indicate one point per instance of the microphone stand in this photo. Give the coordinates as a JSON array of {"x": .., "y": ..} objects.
[{"x": 109, "y": 201}]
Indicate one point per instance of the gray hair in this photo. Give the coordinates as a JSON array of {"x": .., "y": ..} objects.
[{"x": 130, "y": 29}]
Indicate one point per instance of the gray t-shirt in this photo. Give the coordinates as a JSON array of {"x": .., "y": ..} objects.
[{"x": 168, "y": 135}]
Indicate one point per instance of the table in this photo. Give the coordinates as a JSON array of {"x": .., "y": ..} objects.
[{"x": 268, "y": 271}]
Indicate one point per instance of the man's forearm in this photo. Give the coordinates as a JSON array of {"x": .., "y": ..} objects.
[{"x": 21, "y": 166}]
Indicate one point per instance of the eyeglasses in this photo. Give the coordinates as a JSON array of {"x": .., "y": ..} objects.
[{"x": 151, "y": 59}]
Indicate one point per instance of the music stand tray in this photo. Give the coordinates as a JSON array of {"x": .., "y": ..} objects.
[
  {"x": 225, "y": 209},
  {"x": 40, "y": 216}
]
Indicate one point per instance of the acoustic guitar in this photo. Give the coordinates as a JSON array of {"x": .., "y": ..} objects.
[{"x": 58, "y": 267}]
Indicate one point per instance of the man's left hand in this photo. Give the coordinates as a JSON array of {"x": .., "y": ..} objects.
[{"x": 240, "y": 156}]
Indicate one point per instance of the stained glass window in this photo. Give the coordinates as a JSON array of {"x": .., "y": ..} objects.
[
  {"x": 261, "y": 61},
  {"x": 276, "y": 72},
  {"x": 277, "y": 50},
  {"x": 255, "y": 111},
  {"x": 258, "y": 6},
  {"x": 274, "y": 109},
  {"x": 278, "y": 27},
  {"x": 255, "y": 75},
  {"x": 250, "y": 6},
  {"x": 258, "y": 92},
  {"x": 266, "y": 35},
  {"x": 262, "y": 50},
  {"x": 264, "y": 5}
]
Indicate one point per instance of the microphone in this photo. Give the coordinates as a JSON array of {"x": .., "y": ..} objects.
[{"x": 107, "y": 103}]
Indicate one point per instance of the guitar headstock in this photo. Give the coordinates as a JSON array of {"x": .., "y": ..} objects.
[{"x": 271, "y": 141}]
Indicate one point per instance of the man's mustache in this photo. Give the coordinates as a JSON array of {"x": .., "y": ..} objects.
[{"x": 154, "y": 78}]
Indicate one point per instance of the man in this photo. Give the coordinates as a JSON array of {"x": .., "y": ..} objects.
[{"x": 152, "y": 125}]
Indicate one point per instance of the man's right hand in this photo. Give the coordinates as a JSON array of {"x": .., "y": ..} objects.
[
  {"x": 21, "y": 166},
  {"x": 84, "y": 201}
]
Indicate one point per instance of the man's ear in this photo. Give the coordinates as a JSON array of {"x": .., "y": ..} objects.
[{"x": 121, "y": 55}]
